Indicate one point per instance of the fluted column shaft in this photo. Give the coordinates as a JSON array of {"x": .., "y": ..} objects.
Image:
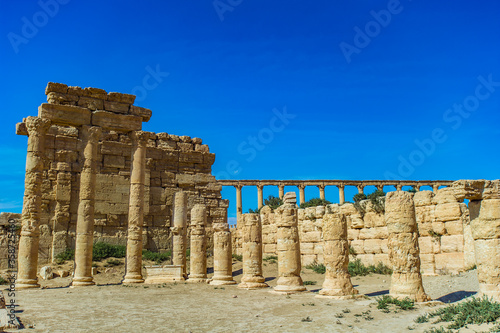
[
  {"x": 85, "y": 218},
  {"x": 30, "y": 218}
]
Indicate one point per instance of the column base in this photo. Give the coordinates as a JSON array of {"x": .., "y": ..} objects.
[
  {"x": 222, "y": 282},
  {"x": 197, "y": 280},
  {"x": 133, "y": 279},
  {"x": 84, "y": 281},
  {"x": 27, "y": 284},
  {"x": 252, "y": 285},
  {"x": 288, "y": 289}
]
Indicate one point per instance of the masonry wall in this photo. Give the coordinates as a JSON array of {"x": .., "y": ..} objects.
[
  {"x": 443, "y": 222},
  {"x": 173, "y": 163}
]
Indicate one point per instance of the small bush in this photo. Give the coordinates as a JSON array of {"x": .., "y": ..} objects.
[
  {"x": 67, "y": 255},
  {"x": 273, "y": 202},
  {"x": 352, "y": 251},
  {"x": 422, "y": 319},
  {"x": 3, "y": 281},
  {"x": 309, "y": 283},
  {"x": 237, "y": 257},
  {"x": 315, "y": 202},
  {"x": 358, "y": 197},
  {"x": 434, "y": 234},
  {"x": 271, "y": 259},
  {"x": 317, "y": 268},
  {"x": 377, "y": 199},
  {"x": 357, "y": 268},
  {"x": 412, "y": 190},
  {"x": 254, "y": 211},
  {"x": 474, "y": 311},
  {"x": 112, "y": 262},
  {"x": 385, "y": 301},
  {"x": 157, "y": 257},
  {"x": 102, "y": 250}
]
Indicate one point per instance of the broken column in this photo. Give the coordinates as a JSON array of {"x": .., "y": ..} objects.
[
  {"x": 404, "y": 253},
  {"x": 288, "y": 246},
  {"x": 179, "y": 232},
  {"x": 85, "y": 218},
  {"x": 485, "y": 227},
  {"x": 198, "y": 252},
  {"x": 252, "y": 253},
  {"x": 30, "y": 218},
  {"x": 337, "y": 282},
  {"x": 223, "y": 262},
  {"x": 136, "y": 208}
]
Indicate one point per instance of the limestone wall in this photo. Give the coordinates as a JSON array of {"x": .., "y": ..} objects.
[
  {"x": 173, "y": 163},
  {"x": 443, "y": 223}
]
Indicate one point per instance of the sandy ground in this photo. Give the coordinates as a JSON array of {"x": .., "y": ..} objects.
[{"x": 182, "y": 307}]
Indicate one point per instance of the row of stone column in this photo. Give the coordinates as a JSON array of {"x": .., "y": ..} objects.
[{"x": 302, "y": 196}]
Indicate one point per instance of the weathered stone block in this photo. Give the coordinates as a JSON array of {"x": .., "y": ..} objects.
[
  {"x": 116, "y": 122},
  {"x": 91, "y": 103},
  {"x": 56, "y": 87},
  {"x": 306, "y": 248},
  {"x": 308, "y": 259},
  {"x": 383, "y": 258},
  {"x": 449, "y": 262},
  {"x": 358, "y": 246},
  {"x": 448, "y": 212},
  {"x": 366, "y": 259},
  {"x": 311, "y": 237},
  {"x": 65, "y": 114},
  {"x": 116, "y": 107},
  {"x": 122, "y": 98},
  {"x": 373, "y": 246},
  {"x": 454, "y": 227},
  {"x": 423, "y": 198},
  {"x": 453, "y": 243},
  {"x": 63, "y": 99},
  {"x": 371, "y": 233},
  {"x": 114, "y": 161}
]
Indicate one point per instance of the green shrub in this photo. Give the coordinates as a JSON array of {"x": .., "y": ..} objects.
[
  {"x": 352, "y": 251},
  {"x": 273, "y": 202},
  {"x": 112, "y": 262},
  {"x": 315, "y": 202},
  {"x": 385, "y": 301},
  {"x": 356, "y": 268},
  {"x": 474, "y": 311},
  {"x": 253, "y": 211},
  {"x": 188, "y": 253},
  {"x": 103, "y": 250},
  {"x": 66, "y": 255},
  {"x": 157, "y": 257},
  {"x": 378, "y": 201},
  {"x": 271, "y": 259},
  {"x": 309, "y": 283},
  {"x": 237, "y": 257},
  {"x": 3, "y": 281},
  {"x": 317, "y": 268},
  {"x": 412, "y": 190},
  {"x": 358, "y": 197}
]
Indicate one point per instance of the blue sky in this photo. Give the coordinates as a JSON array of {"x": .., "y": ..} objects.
[{"x": 371, "y": 89}]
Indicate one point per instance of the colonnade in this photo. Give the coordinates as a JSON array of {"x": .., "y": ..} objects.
[{"x": 321, "y": 185}]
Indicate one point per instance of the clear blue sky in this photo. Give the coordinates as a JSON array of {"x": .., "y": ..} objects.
[{"x": 372, "y": 89}]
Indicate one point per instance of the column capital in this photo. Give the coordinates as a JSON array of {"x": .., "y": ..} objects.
[
  {"x": 259, "y": 186},
  {"x": 340, "y": 186},
  {"x": 238, "y": 187},
  {"x": 94, "y": 133},
  {"x": 140, "y": 137},
  {"x": 321, "y": 186},
  {"x": 301, "y": 186},
  {"x": 36, "y": 125}
]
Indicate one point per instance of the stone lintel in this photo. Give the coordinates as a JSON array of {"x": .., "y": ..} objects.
[
  {"x": 64, "y": 114},
  {"x": 116, "y": 122}
]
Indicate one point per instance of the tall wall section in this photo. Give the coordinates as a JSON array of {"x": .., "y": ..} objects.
[
  {"x": 445, "y": 239},
  {"x": 173, "y": 163}
]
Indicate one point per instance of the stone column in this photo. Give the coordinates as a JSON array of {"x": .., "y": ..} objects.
[
  {"x": 380, "y": 187},
  {"x": 336, "y": 256},
  {"x": 341, "y": 194},
  {"x": 223, "y": 259},
  {"x": 198, "y": 254},
  {"x": 281, "y": 189},
  {"x": 360, "y": 188},
  {"x": 179, "y": 232},
  {"x": 416, "y": 188},
  {"x": 288, "y": 247},
  {"x": 321, "y": 192},
  {"x": 260, "y": 197},
  {"x": 302, "y": 194},
  {"x": 239, "y": 205},
  {"x": 404, "y": 252},
  {"x": 30, "y": 218},
  {"x": 399, "y": 187},
  {"x": 435, "y": 187},
  {"x": 252, "y": 253},
  {"x": 136, "y": 208},
  {"x": 485, "y": 226},
  {"x": 85, "y": 218}
]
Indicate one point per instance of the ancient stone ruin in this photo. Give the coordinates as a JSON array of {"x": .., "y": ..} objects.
[{"x": 93, "y": 175}]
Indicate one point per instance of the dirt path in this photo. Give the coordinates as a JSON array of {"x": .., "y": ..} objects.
[{"x": 203, "y": 308}]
